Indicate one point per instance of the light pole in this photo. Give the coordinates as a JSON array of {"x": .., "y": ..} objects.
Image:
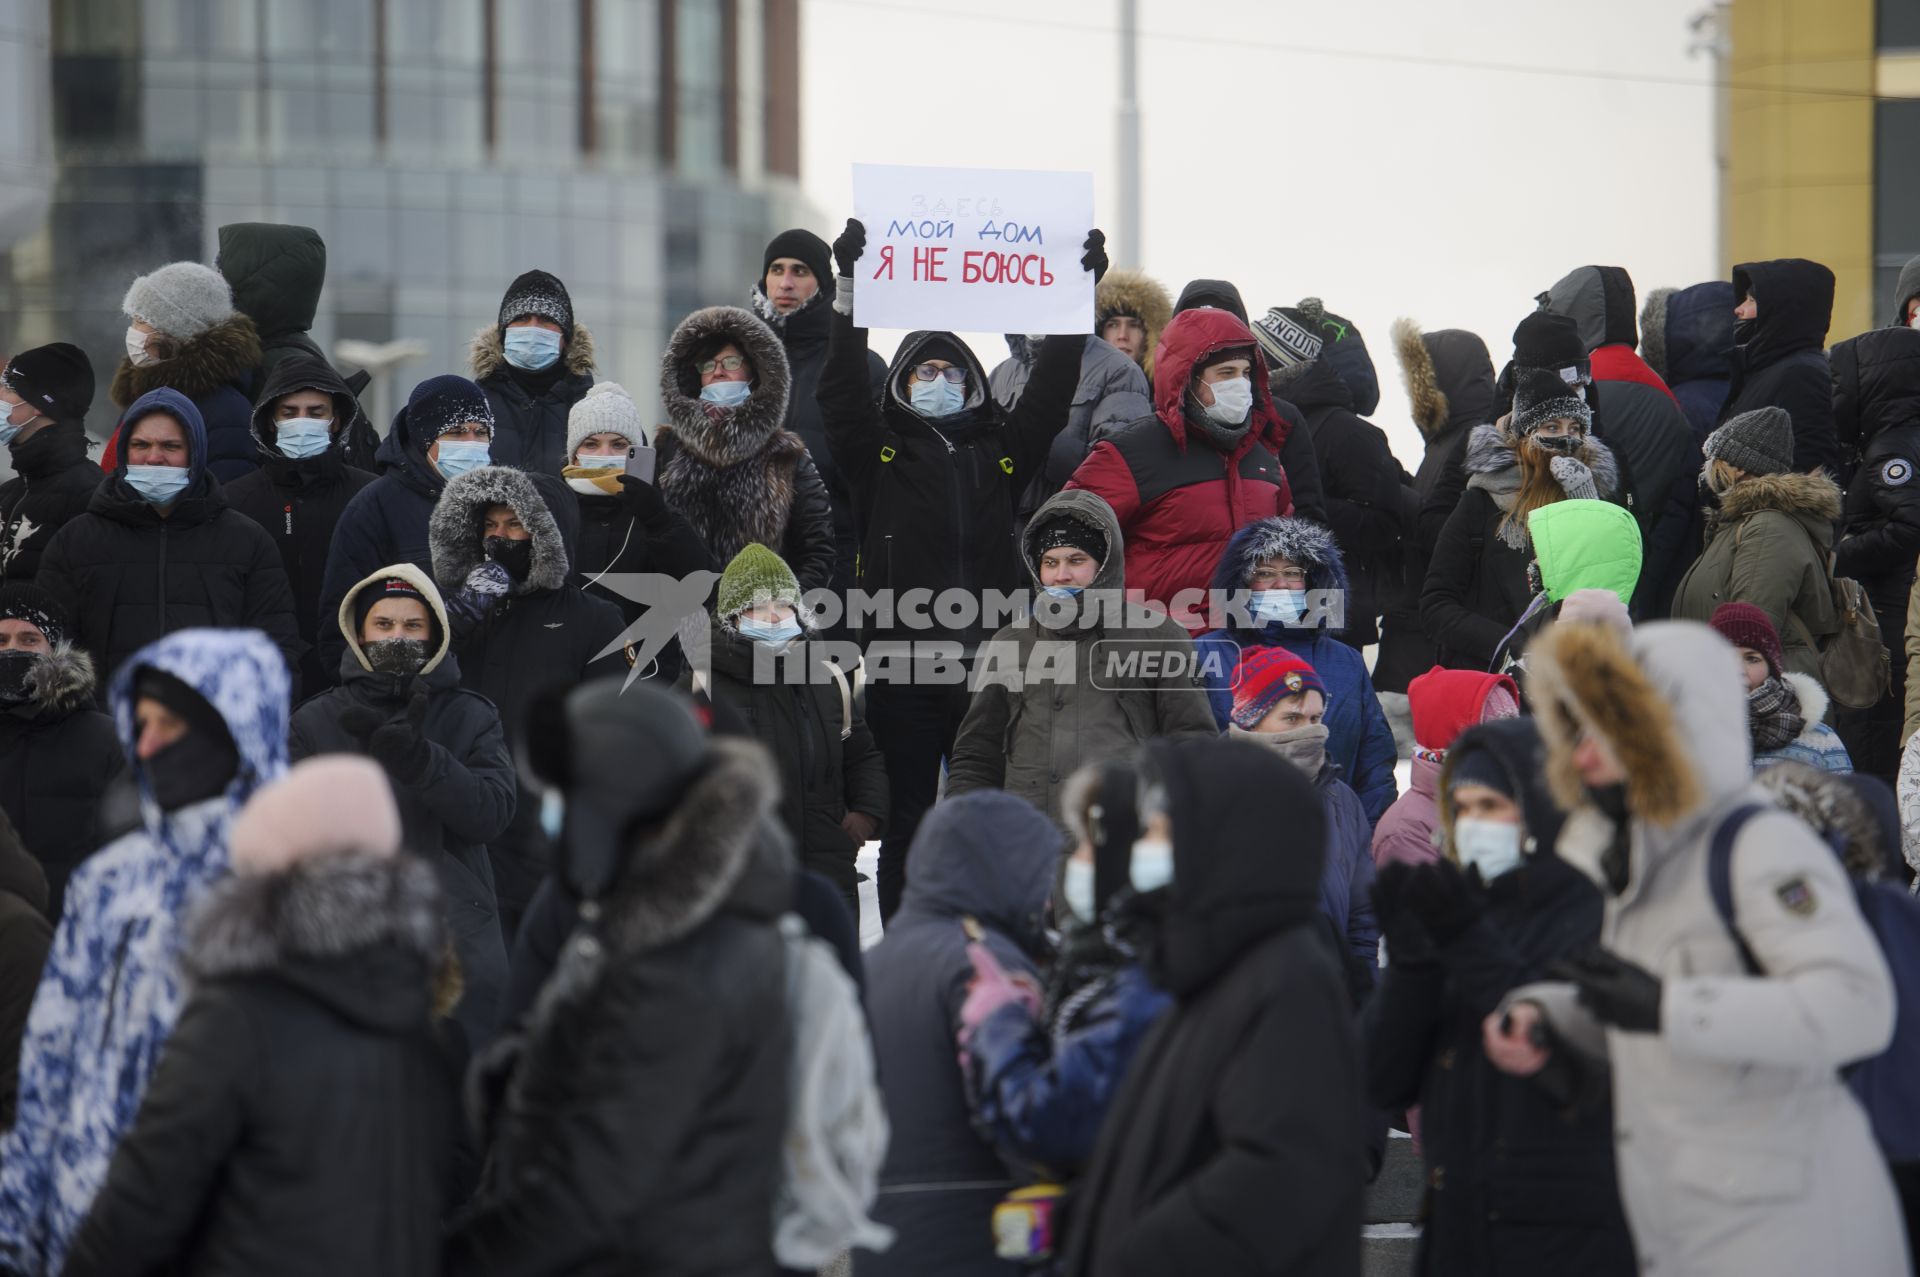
[{"x": 1130, "y": 250}]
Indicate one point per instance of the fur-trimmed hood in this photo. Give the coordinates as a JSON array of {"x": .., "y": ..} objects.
[
  {"x": 1834, "y": 808},
  {"x": 1302, "y": 540},
  {"x": 488, "y": 353},
  {"x": 60, "y": 682},
  {"x": 725, "y": 438},
  {"x": 454, "y": 534},
  {"x": 1813, "y": 700},
  {"x": 361, "y": 933},
  {"x": 1804, "y": 496},
  {"x": 1134, "y": 292},
  {"x": 202, "y": 364},
  {"x": 1686, "y": 334},
  {"x": 1448, "y": 375}
]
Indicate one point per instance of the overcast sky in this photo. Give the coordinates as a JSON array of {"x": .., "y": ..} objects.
[{"x": 1443, "y": 159}]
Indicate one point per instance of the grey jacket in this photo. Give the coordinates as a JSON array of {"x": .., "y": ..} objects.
[
  {"x": 1112, "y": 392},
  {"x": 1048, "y": 695},
  {"x": 1739, "y": 1147}
]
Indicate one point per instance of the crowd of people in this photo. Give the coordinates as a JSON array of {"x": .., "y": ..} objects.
[{"x": 373, "y": 899}]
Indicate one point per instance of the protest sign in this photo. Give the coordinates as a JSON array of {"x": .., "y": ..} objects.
[{"x": 973, "y": 250}]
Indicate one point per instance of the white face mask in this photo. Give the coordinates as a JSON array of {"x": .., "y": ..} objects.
[
  {"x": 1232, "y": 401},
  {"x": 137, "y": 348},
  {"x": 1151, "y": 865},
  {"x": 1077, "y": 887},
  {"x": 1492, "y": 846}
]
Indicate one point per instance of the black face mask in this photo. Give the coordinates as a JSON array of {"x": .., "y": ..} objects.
[
  {"x": 515, "y": 556},
  {"x": 396, "y": 655},
  {"x": 1565, "y": 445},
  {"x": 15, "y": 667},
  {"x": 198, "y": 766},
  {"x": 1744, "y": 330}
]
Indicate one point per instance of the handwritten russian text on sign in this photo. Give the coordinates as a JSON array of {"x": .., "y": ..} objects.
[{"x": 973, "y": 250}]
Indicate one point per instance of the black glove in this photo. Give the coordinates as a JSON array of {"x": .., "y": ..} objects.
[
  {"x": 1095, "y": 256},
  {"x": 1407, "y": 940},
  {"x": 642, "y": 499},
  {"x": 1619, "y": 992},
  {"x": 848, "y": 248},
  {"x": 1444, "y": 900},
  {"x": 399, "y": 746}
]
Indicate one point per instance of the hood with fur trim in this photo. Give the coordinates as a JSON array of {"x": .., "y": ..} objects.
[
  {"x": 360, "y": 933},
  {"x": 220, "y": 356},
  {"x": 1835, "y": 808},
  {"x": 1686, "y": 334},
  {"x": 1302, "y": 540},
  {"x": 61, "y": 681},
  {"x": 725, "y": 438},
  {"x": 454, "y": 534},
  {"x": 1134, "y": 292},
  {"x": 1448, "y": 374},
  {"x": 488, "y": 353},
  {"x": 1813, "y": 700},
  {"x": 1808, "y": 497},
  {"x": 418, "y": 580}
]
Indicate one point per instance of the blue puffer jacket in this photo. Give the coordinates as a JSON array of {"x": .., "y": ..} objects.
[
  {"x": 112, "y": 989},
  {"x": 1686, "y": 336},
  {"x": 1346, "y": 885},
  {"x": 1359, "y": 739},
  {"x": 1042, "y": 1096}
]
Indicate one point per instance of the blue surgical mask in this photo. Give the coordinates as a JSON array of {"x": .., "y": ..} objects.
[
  {"x": 1492, "y": 846},
  {"x": 770, "y": 631},
  {"x": 726, "y": 394},
  {"x": 158, "y": 484},
  {"x": 1151, "y": 865},
  {"x": 937, "y": 398},
  {"x": 603, "y": 462},
  {"x": 532, "y": 348},
  {"x": 1284, "y": 606},
  {"x": 457, "y": 456},
  {"x": 1062, "y": 591},
  {"x": 1076, "y": 886},
  {"x": 304, "y": 437},
  {"x": 8, "y": 432}
]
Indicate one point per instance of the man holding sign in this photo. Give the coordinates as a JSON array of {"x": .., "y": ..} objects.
[{"x": 934, "y": 467}]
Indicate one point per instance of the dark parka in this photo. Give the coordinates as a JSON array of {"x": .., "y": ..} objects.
[
  {"x": 1231, "y": 1147},
  {"x": 1449, "y": 380},
  {"x": 25, "y": 938},
  {"x": 1686, "y": 335},
  {"x": 1780, "y": 362},
  {"x": 530, "y": 409},
  {"x": 1028, "y": 730},
  {"x": 448, "y": 816},
  {"x": 52, "y": 483},
  {"x": 300, "y": 1117},
  {"x": 936, "y": 496},
  {"x": 615, "y": 539},
  {"x": 58, "y": 756},
  {"x": 129, "y": 575},
  {"x": 640, "y": 1124},
  {"x": 300, "y": 503},
  {"x": 1906, "y": 289},
  {"x": 545, "y": 632},
  {"x": 1519, "y": 1174},
  {"x": 213, "y": 369},
  {"x": 1112, "y": 392},
  {"x": 277, "y": 273},
  {"x": 991, "y": 857}
]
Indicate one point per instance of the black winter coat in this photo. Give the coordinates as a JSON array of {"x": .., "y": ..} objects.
[
  {"x": 616, "y": 539},
  {"x": 637, "y": 1127},
  {"x": 129, "y": 576},
  {"x": 936, "y": 497},
  {"x": 52, "y": 483},
  {"x": 1231, "y": 1146},
  {"x": 1876, "y": 398},
  {"x": 58, "y": 756},
  {"x": 300, "y": 1118},
  {"x": 530, "y": 409},
  {"x": 26, "y": 936},
  {"x": 1781, "y": 363}
]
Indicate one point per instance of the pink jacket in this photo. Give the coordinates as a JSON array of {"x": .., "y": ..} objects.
[{"x": 1406, "y": 829}]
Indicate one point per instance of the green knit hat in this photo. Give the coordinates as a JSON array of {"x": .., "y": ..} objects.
[{"x": 756, "y": 573}]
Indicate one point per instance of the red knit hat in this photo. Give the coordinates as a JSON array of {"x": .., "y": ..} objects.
[
  {"x": 1744, "y": 625},
  {"x": 1265, "y": 677},
  {"x": 1447, "y": 702}
]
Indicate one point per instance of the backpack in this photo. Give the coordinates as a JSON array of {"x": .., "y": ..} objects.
[
  {"x": 836, "y": 1124},
  {"x": 1855, "y": 666},
  {"x": 1888, "y": 1085}
]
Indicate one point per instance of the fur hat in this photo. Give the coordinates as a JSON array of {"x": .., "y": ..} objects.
[
  {"x": 1265, "y": 677},
  {"x": 538, "y": 293},
  {"x": 1539, "y": 396},
  {"x": 1744, "y": 625},
  {"x": 756, "y": 573},
  {"x": 55, "y": 380},
  {"x": 1140, "y": 296},
  {"x": 1759, "y": 442},
  {"x": 181, "y": 299},
  {"x": 606, "y": 408},
  {"x": 325, "y": 806}
]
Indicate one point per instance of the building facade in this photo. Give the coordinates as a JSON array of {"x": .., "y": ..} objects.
[{"x": 641, "y": 150}]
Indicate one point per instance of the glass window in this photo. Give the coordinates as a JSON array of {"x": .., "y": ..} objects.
[
  {"x": 539, "y": 54},
  {"x": 698, "y": 120},
  {"x": 1896, "y": 188},
  {"x": 1899, "y": 24},
  {"x": 626, "y": 80}
]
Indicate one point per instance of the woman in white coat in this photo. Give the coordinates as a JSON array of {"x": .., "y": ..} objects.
[{"x": 1739, "y": 1148}]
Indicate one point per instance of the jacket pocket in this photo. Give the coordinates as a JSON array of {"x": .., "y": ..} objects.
[{"x": 1740, "y": 1174}]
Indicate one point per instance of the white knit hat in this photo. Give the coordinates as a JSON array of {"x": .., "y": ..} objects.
[
  {"x": 606, "y": 408},
  {"x": 181, "y": 299}
]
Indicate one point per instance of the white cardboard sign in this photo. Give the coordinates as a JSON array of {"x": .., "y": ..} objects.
[{"x": 973, "y": 250}]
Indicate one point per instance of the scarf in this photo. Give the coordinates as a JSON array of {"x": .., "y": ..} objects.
[
  {"x": 1222, "y": 438},
  {"x": 1773, "y": 715},
  {"x": 591, "y": 482}
]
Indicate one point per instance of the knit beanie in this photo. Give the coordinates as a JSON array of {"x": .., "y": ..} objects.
[
  {"x": 1596, "y": 607},
  {"x": 56, "y": 380},
  {"x": 538, "y": 293},
  {"x": 606, "y": 408},
  {"x": 1066, "y": 530},
  {"x": 802, "y": 245},
  {"x": 22, "y": 601},
  {"x": 444, "y": 403},
  {"x": 1286, "y": 342},
  {"x": 330, "y": 805},
  {"x": 1217, "y": 293},
  {"x": 393, "y": 587},
  {"x": 181, "y": 299},
  {"x": 1546, "y": 340},
  {"x": 1265, "y": 677},
  {"x": 1539, "y": 396},
  {"x": 1447, "y": 702},
  {"x": 756, "y": 575},
  {"x": 1759, "y": 442},
  {"x": 1744, "y": 625},
  {"x": 1474, "y": 764}
]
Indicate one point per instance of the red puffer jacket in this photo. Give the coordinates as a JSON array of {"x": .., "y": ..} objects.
[{"x": 1180, "y": 500}]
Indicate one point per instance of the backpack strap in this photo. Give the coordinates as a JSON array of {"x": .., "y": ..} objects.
[
  {"x": 1720, "y": 878},
  {"x": 846, "y": 700}
]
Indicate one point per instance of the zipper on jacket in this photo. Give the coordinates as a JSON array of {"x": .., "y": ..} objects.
[
  {"x": 953, "y": 498},
  {"x": 113, "y": 985},
  {"x": 163, "y": 576}
]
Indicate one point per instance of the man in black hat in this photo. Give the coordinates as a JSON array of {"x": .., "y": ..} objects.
[
  {"x": 44, "y": 396},
  {"x": 535, "y": 363}
]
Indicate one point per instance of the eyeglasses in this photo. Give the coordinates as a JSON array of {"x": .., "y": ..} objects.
[
  {"x": 1267, "y": 578},
  {"x": 955, "y": 375},
  {"x": 730, "y": 364}
]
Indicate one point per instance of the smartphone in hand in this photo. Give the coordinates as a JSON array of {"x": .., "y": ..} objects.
[{"x": 641, "y": 461}]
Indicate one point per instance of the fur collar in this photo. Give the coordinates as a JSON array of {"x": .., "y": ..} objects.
[
  {"x": 488, "y": 353},
  {"x": 1813, "y": 700},
  {"x": 1492, "y": 467},
  {"x": 1424, "y": 397},
  {"x": 453, "y": 534},
  {"x": 62, "y": 681},
  {"x": 326, "y": 907},
  {"x": 1802, "y": 495},
  {"x": 201, "y": 365},
  {"x": 725, "y": 438}
]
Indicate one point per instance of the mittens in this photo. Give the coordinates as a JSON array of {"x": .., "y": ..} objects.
[
  {"x": 1576, "y": 478},
  {"x": 848, "y": 248}
]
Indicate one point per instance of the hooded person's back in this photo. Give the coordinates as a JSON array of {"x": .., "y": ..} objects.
[
  {"x": 1778, "y": 360},
  {"x": 1686, "y": 335}
]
